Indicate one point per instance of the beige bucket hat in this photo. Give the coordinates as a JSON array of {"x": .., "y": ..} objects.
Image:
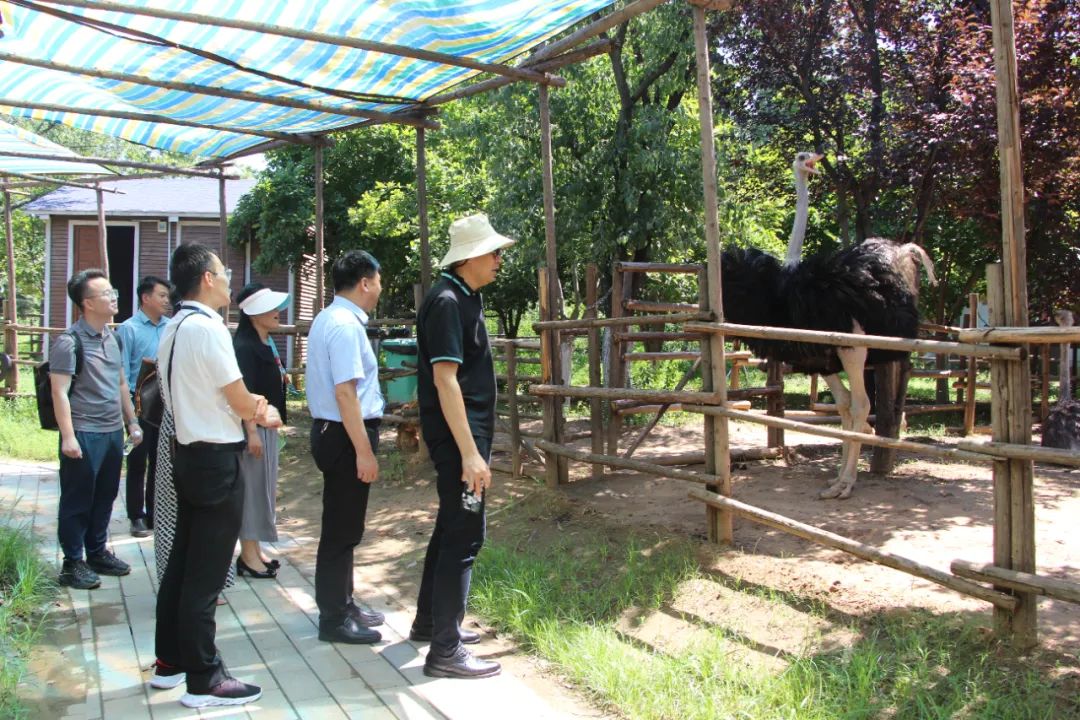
[{"x": 471, "y": 237}]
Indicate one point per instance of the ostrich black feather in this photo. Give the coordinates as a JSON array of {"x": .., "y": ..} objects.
[{"x": 827, "y": 291}]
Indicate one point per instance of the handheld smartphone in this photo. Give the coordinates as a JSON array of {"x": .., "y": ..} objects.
[{"x": 471, "y": 502}]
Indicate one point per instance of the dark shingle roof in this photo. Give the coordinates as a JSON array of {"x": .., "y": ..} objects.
[{"x": 180, "y": 196}]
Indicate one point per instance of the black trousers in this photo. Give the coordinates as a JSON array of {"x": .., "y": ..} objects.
[
  {"x": 345, "y": 500},
  {"x": 209, "y": 499},
  {"x": 141, "y": 466},
  {"x": 454, "y": 545}
]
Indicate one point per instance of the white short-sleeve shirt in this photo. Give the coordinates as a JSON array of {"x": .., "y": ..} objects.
[{"x": 203, "y": 364}]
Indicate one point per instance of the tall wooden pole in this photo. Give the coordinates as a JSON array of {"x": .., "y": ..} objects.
[
  {"x": 421, "y": 204},
  {"x": 717, "y": 451},
  {"x": 10, "y": 337},
  {"x": 1016, "y": 474},
  {"x": 596, "y": 405},
  {"x": 320, "y": 250},
  {"x": 223, "y": 231},
  {"x": 103, "y": 240},
  {"x": 554, "y": 306}
]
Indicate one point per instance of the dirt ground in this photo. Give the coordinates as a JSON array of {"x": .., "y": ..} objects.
[{"x": 930, "y": 511}]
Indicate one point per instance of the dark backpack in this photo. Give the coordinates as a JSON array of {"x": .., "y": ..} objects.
[{"x": 43, "y": 383}]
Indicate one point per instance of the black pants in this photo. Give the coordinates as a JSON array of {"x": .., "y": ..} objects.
[
  {"x": 141, "y": 465},
  {"x": 454, "y": 545},
  {"x": 345, "y": 499},
  {"x": 209, "y": 500}
]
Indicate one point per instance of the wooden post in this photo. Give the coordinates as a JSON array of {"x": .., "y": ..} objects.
[
  {"x": 549, "y": 348},
  {"x": 223, "y": 231},
  {"x": 421, "y": 203},
  {"x": 616, "y": 371},
  {"x": 775, "y": 403},
  {"x": 320, "y": 250},
  {"x": 1024, "y": 622},
  {"x": 972, "y": 370},
  {"x": 718, "y": 460},
  {"x": 1044, "y": 376},
  {"x": 1064, "y": 318},
  {"x": 512, "y": 401},
  {"x": 555, "y": 308},
  {"x": 596, "y": 405},
  {"x": 11, "y": 337},
  {"x": 103, "y": 241},
  {"x": 886, "y": 421}
]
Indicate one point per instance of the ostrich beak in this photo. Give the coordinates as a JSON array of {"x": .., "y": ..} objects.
[{"x": 811, "y": 164}]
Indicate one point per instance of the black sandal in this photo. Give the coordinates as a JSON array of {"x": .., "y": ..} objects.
[{"x": 242, "y": 569}]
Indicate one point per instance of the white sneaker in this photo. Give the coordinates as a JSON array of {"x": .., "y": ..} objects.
[
  {"x": 227, "y": 692},
  {"x": 165, "y": 677}
]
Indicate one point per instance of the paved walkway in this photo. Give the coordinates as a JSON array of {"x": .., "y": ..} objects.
[{"x": 266, "y": 633}]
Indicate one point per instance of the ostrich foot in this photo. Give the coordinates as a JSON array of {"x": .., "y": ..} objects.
[{"x": 840, "y": 490}]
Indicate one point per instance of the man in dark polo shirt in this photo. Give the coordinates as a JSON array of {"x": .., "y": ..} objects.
[{"x": 456, "y": 393}]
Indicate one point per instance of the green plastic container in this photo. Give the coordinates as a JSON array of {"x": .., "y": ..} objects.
[{"x": 400, "y": 352}]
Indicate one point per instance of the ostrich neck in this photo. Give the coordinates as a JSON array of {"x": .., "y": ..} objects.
[{"x": 798, "y": 228}]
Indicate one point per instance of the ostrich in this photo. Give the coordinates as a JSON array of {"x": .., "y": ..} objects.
[
  {"x": 870, "y": 288},
  {"x": 1062, "y": 426},
  {"x": 854, "y": 290}
]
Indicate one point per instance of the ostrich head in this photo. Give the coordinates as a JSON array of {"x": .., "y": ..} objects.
[{"x": 804, "y": 166}]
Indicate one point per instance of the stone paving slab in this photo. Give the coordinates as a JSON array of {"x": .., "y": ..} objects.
[{"x": 267, "y": 634}]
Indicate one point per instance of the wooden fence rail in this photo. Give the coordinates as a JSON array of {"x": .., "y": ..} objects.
[{"x": 858, "y": 549}]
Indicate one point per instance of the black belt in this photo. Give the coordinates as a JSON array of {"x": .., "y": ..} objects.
[
  {"x": 368, "y": 422},
  {"x": 216, "y": 447}
]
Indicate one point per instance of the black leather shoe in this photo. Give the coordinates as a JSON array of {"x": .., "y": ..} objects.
[
  {"x": 349, "y": 632},
  {"x": 461, "y": 664},
  {"x": 468, "y": 637},
  {"x": 243, "y": 569},
  {"x": 363, "y": 617},
  {"x": 140, "y": 529}
]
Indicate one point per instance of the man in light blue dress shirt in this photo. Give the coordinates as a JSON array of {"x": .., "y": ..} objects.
[
  {"x": 140, "y": 335},
  {"x": 346, "y": 407}
]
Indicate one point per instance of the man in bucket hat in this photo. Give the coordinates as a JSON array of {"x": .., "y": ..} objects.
[{"x": 456, "y": 393}]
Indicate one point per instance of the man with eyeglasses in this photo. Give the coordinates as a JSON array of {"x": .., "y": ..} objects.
[
  {"x": 93, "y": 405},
  {"x": 456, "y": 395}
]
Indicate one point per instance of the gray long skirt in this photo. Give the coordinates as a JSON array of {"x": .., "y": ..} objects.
[{"x": 259, "y": 476}]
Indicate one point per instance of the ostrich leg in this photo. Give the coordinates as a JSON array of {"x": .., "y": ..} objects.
[{"x": 857, "y": 411}]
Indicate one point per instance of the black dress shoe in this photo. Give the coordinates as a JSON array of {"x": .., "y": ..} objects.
[
  {"x": 468, "y": 637},
  {"x": 461, "y": 664},
  {"x": 140, "y": 529},
  {"x": 349, "y": 632},
  {"x": 243, "y": 569},
  {"x": 363, "y": 617}
]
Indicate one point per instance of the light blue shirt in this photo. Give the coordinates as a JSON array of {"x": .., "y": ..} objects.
[
  {"x": 339, "y": 351},
  {"x": 140, "y": 338}
]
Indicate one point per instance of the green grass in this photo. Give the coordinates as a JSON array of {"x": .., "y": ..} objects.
[
  {"x": 20, "y": 434},
  {"x": 561, "y": 601},
  {"x": 26, "y": 585}
]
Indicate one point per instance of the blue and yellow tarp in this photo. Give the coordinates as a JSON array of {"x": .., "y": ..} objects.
[{"x": 493, "y": 31}]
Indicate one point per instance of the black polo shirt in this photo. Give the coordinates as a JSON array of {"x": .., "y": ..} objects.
[{"x": 450, "y": 328}]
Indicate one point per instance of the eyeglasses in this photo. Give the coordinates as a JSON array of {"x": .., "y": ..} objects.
[
  {"x": 111, "y": 293},
  {"x": 225, "y": 273}
]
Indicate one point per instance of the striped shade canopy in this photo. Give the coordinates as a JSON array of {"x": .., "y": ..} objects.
[
  {"x": 69, "y": 60},
  {"x": 15, "y": 139}
]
